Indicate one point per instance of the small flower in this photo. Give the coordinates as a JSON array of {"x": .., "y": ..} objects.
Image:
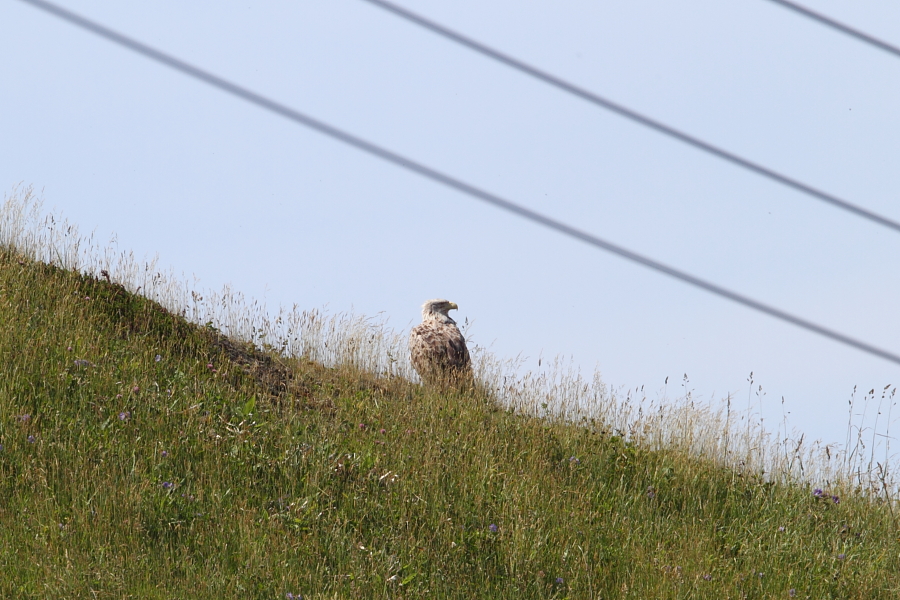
[
  {"x": 24, "y": 418},
  {"x": 68, "y": 348},
  {"x": 651, "y": 492},
  {"x": 164, "y": 454},
  {"x": 87, "y": 297},
  {"x": 136, "y": 389},
  {"x": 818, "y": 493},
  {"x": 560, "y": 580},
  {"x": 118, "y": 395},
  {"x": 707, "y": 577},
  {"x": 83, "y": 363},
  {"x": 573, "y": 459},
  {"x": 760, "y": 575},
  {"x": 62, "y": 525},
  {"x": 158, "y": 358},
  {"x": 493, "y": 528},
  {"x": 167, "y": 485},
  {"x": 836, "y": 499},
  {"x": 30, "y": 439},
  {"x": 123, "y": 416},
  {"x": 382, "y": 431},
  {"x": 781, "y": 529},
  {"x": 362, "y": 425},
  {"x": 841, "y": 556},
  {"x": 792, "y": 592}
]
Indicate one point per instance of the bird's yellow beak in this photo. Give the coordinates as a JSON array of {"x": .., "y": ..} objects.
[{"x": 453, "y": 306}]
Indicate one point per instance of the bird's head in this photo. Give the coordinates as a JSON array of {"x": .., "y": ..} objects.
[{"x": 437, "y": 310}]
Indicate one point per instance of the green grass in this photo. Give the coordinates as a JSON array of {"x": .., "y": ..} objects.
[{"x": 218, "y": 471}]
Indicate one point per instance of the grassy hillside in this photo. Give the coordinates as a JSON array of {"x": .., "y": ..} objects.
[{"x": 146, "y": 457}]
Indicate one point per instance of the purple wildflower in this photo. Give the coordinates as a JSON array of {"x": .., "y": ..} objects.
[
  {"x": 818, "y": 493},
  {"x": 83, "y": 363},
  {"x": 168, "y": 485},
  {"x": 836, "y": 499},
  {"x": 707, "y": 577},
  {"x": 383, "y": 431},
  {"x": 493, "y": 528},
  {"x": 158, "y": 358},
  {"x": 792, "y": 592},
  {"x": 651, "y": 492},
  {"x": 30, "y": 439},
  {"x": 69, "y": 349},
  {"x": 841, "y": 556},
  {"x": 164, "y": 454},
  {"x": 23, "y": 418},
  {"x": 560, "y": 580},
  {"x": 123, "y": 416},
  {"x": 136, "y": 389},
  {"x": 781, "y": 528},
  {"x": 573, "y": 459},
  {"x": 362, "y": 425}
]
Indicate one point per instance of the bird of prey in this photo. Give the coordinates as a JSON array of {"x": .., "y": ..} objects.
[{"x": 436, "y": 346}]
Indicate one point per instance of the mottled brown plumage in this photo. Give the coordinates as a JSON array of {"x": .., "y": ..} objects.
[{"x": 436, "y": 346}]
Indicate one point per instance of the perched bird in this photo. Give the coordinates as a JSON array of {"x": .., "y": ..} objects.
[{"x": 436, "y": 346}]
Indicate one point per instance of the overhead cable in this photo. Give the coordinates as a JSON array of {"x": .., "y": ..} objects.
[
  {"x": 634, "y": 116},
  {"x": 845, "y": 29},
  {"x": 450, "y": 181}
]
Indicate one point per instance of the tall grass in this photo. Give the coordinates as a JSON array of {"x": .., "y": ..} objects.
[
  {"x": 713, "y": 430},
  {"x": 143, "y": 455}
]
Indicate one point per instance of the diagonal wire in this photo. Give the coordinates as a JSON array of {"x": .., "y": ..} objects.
[
  {"x": 632, "y": 115},
  {"x": 449, "y": 181},
  {"x": 846, "y": 29}
]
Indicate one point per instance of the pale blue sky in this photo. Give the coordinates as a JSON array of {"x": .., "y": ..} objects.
[{"x": 232, "y": 194}]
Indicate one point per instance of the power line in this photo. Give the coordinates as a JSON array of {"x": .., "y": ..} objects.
[
  {"x": 449, "y": 181},
  {"x": 632, "y": 115},
  {"x": 845, "y": 29}
]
